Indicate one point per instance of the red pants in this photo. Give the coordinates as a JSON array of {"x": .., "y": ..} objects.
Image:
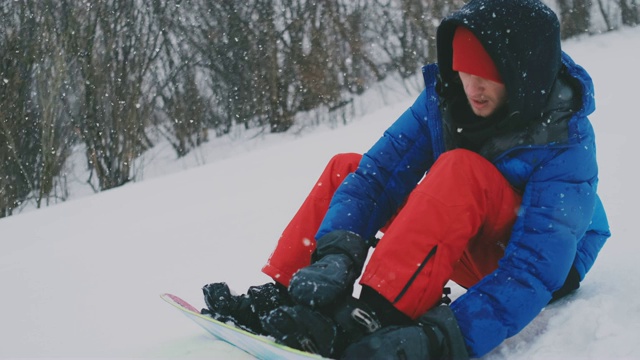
[{"x": 454, "y": 226}]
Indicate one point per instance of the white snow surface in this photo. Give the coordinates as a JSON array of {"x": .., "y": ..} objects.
[{"x": 82, "y": 279}]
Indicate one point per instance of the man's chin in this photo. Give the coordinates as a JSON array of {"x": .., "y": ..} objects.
[{"x": 482, "y": 112}]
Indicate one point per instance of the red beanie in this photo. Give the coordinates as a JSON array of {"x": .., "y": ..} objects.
[{"x": 469, "y": 56}]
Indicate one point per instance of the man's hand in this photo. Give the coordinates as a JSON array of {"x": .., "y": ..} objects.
[{"x": 338, "y": 261}]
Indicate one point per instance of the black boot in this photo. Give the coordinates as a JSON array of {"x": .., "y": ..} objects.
[
  {"x": 434, "y": 336},
  {"x": 245, "y": 311},
  {"x": 326, "y": 332}
]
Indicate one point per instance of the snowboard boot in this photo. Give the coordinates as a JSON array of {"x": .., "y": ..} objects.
[
  {"x": 244, "y": 311},
  {"x": 326, "y": 332},
  {"x": 435, "y": 335}
]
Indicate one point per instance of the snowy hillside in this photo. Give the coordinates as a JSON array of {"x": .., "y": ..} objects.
[{"x": 83, "y": 278}]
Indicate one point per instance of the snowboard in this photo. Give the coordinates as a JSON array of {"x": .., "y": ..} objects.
[{"x": 259, "y": 346}]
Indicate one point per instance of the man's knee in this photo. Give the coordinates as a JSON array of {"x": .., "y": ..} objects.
[
  {"x": 346, "y": 159},
  {"x": 462, "y": 156},
  {"x": 462, "y": 161}
]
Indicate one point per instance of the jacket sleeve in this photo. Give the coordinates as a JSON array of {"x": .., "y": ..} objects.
[
  {"x": 387, "y": 173},
  {"x": 558, "y": 204},
  {"x": 591, "y": 243}
]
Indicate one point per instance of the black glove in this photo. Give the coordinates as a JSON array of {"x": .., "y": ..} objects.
[
  {"x": 336, "y": 264},
  {"x": 436, "y": 336}
]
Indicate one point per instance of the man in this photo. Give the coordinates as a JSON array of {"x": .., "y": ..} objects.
[{"x": 489, "y": 180}]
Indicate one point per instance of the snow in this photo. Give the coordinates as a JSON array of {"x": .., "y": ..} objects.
[{"x": 83, "y": 278}]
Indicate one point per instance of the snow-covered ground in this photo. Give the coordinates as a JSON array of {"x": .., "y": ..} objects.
[{"x": 82, "y": 279}]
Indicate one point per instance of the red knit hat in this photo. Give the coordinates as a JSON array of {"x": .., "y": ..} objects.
[{"x": 469, "y": 56}]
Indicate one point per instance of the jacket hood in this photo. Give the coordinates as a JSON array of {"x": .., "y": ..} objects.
[{"x": 523, "y": 39}]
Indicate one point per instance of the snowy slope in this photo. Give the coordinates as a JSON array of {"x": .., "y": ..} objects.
[{"x": 82, "y": 279}]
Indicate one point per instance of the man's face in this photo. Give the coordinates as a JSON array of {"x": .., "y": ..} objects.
[{"x": 485, "y": 96}]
